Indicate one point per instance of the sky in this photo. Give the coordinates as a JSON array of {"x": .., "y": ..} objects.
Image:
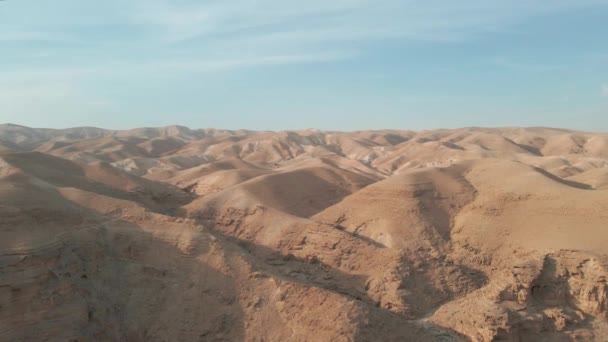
[{"x": 292, "y": 64}]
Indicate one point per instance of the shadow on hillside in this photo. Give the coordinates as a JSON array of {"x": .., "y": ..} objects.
[
  {"x": 567, "y": 182},
  {"x": 155, "y": 196},
  {"x": 116, "y": 281},
  {"x": 312, "y": 272},
  {"x": 357, "y": 236}
]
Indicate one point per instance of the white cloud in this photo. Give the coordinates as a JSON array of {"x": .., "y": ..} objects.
[
  {"x": 250, "y": 33},
  {"x": 48, "y": 89},
  {"x": 44, "y": 75},
  {"x": 347, "y": 19},
  {"x": 23, "y": 78},
  {"x": 525, "y": 65},
  {"x": 277, "y": 27},
  {"x": 235, "y": 17},
  {"x": 604, "y": 90},
  {"x": 21, "y": 36},
  {"x": 228, "y": 64},
  {"x": 22, "y": 102}
]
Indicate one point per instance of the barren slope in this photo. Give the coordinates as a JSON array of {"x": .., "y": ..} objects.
[{"x": 156, "y": 234}]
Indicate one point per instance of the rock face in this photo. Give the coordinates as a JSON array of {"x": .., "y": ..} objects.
[
  {"x": 164, "y": 234},
  {"x": 553, "y": 297}
]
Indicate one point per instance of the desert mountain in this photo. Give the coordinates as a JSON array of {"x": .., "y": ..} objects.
[{"x": 157, "y": 234}]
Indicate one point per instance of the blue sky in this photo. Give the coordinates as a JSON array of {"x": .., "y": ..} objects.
[{"x": 270, "y": 64}]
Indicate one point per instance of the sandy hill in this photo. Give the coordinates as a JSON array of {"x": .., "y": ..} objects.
[
  {"x": 173, "y": 233},
  {"x": 300, "y": 192},
  {"x": 405, "y": 208},
  {"x": 99, "y": 178}
]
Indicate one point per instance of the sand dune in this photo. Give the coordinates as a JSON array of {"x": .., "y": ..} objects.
[{"x": 172, "y": 233}]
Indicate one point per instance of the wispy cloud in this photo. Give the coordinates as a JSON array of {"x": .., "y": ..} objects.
[
  {"x": 19, "y": 102},
  {"x": 235, "y": 18},
  {"x": 52, "y": 74},
  {"x": 228, "y": 64},
  {"x": 328, "y": 20},
  {"x": 29, "y": 36},
  {"x": 273, "y": 27},
  {"x": 526, "y": 66},
  {"x": 26, "y": 90},
  {"x": 129, "y": 40}
]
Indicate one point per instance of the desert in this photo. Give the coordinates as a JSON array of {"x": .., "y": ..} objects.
[{"x": 179, "y": 234}]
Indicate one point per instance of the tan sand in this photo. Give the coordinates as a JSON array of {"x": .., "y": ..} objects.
[{"x": 176, "y": 234}]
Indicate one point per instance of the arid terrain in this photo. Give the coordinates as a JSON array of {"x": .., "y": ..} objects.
[{"x": 177, "y": 234}]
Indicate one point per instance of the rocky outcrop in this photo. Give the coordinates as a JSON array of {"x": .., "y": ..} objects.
[{"x": 552, "y": 297}]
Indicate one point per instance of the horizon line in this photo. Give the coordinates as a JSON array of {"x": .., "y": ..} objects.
[{"x": 304, "y": 129}]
